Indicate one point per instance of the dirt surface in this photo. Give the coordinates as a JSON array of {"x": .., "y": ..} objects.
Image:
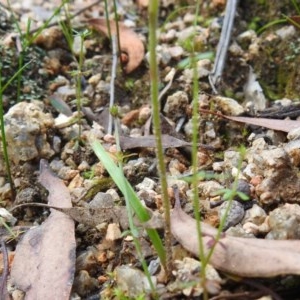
[{"x": 63, "y": 94}]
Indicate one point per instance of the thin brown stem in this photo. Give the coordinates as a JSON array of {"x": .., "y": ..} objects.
[{"x": 3, "y": 289}]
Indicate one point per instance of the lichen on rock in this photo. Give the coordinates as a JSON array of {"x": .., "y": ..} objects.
[{"x": 26, "y": 128}]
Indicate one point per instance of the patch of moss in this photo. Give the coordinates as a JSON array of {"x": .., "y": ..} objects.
[
  {"x": 99, "y": 185},
  {"x": 32, "y": 82}
]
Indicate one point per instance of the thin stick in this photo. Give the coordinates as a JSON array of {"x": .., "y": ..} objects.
[
  {"x": 3, "y": 290},
  {"x": 112, "y": 82},
  {"x": 216, "y": 74}
]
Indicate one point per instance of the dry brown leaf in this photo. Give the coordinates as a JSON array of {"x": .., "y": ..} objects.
[
  {"x": 130, "y": 117},
  {"x": 44, "y": 262},
  {"x": 280, "y": 125},
  {"x": 239, "y": 256},
  {"x": 130, "y": 42},
  {"x": 92, "y": 216},
  {"x": 148, "y": 141}
]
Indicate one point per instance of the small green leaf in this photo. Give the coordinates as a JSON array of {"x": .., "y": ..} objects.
[{"x": 187, "y": 62}]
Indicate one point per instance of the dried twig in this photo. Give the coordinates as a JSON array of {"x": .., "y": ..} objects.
[
  {"x": 216, "y": 74},
  {"x": 3, "y": 290},
  {"x": 112, "y": 82}
]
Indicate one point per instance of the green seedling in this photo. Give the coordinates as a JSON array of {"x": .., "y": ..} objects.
[
  {"x": 114, "y": 111},
  {"x": 26, "y": 40},
  {"x": 89, "y": 174},
  {"x": 129, "y": 84},
  {"x": 2, "y": 124},
  {"x": 285, "y": 19},
  {"x": 187, "y": 63},
  {"x": 75, "y": 40},
  {"x": 232, "y": 194},
  {"x": 270, "y": 24}
]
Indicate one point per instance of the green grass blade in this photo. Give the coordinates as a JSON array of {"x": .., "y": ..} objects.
[
  {"x": 13, "y": 77},
  {"x": 125, "y": 187}
]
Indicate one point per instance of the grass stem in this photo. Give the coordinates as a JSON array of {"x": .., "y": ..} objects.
[
  {"x": 195, "y": 138},
  {"x": 153, "y": 22},
  {"x": 4, "y": 143}
]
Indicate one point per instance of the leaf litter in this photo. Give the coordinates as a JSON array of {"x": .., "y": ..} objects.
[
  {"x": 45, "y": 247},
  {"x": 275, "y": 124},
  {"x": 130, "y": 42},
  {"x": 225, "y": 257},
  {"x": 95, "y": 216},
  {"x": 244, "y": 257},
  {"x": 148, "y": 141}
]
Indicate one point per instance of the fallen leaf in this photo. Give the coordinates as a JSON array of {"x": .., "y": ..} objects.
[
  {"x": 44, "y": 263},
  {"x": 275, "y": 124},
  {"x": 148, "y": 141},
  {"x": 91, "y": 216},
  {"x": 239, "y": 256},
  {"x": 280, "y": 125},
  {"x": 130, "y": 42}
]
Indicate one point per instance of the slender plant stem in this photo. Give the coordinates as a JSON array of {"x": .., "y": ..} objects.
[
  {"x": 4, "y": 143},
  {"x": 19, "y": 79},
  {"x": 296, "y": 5},
  {"x": 20, "y": 49},
  {"x": 78, "y": 85},
  {"x": 153, "y": 20},
  {"x": 118, "y": 33},
  {"x": 195, "y": 136},
  {"x": 231, "y": 198},
  {"x": 132, "y": 227},
  {"x": 107, "y": 18}
]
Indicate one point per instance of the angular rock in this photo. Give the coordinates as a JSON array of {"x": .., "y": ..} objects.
[{"x": 26, "y": 128}]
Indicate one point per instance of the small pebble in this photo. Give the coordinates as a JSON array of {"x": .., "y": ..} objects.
[
  {"x": 131, "y": 281},
  {"x": 284, "y": 222},
  {"x": 255, "y": 215},
  {"x": 229, "y": 106},
  {"x": 113, "y": 232},
  {"x": 146, "y": 184},
  {"x": 209, "y": 188},
  {"x": 102, "y": 200},
  {"x": 235, "y": 214},
  {"x": 176, "y": 105},
  {"x": 114, "y": 194}
]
